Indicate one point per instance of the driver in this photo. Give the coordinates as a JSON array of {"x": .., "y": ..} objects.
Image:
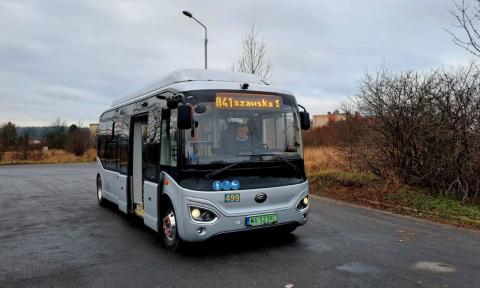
[{"x": 242, "y": 138}]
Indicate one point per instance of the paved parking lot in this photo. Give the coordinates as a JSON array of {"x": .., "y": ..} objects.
[{"x": 53, "y": 234}]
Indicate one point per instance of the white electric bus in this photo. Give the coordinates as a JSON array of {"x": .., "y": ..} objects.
[{"x": 201, "y": 153}]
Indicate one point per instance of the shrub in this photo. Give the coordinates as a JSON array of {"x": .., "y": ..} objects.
[
  {"x": 77, "y": 140},
  {"x": 423, "y": 128}
]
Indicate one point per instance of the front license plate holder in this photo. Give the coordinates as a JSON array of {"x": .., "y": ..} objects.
[{"x": 261, "y": 220}]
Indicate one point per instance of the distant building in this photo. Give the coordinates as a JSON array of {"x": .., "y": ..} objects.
[
  {"x": 322, "y": 120},
  {"x": 34, "y": 141}
]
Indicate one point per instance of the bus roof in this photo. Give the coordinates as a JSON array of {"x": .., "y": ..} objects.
[{"x": 193, "y": 76}]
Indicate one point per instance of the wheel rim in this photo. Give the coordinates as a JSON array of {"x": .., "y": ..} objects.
[
  {"x": 99, "y": 190},
  {"x": 169, "y": 226}
]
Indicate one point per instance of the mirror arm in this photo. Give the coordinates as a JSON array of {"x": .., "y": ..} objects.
[
  {"x": 304, "y": 110},
  {"x": 304, "y": 118}
]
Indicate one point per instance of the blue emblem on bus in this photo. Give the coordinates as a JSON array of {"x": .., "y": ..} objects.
[
  {"x": 226, "y": 185},
  {"x": 217, "y": 185},
  {"x": 235, "y": 185}
]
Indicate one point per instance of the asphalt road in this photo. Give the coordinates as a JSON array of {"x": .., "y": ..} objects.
[{"x": 53, "y": 234}]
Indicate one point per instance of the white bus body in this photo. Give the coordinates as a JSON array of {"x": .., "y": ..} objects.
[{"x": 200, "y": 153}]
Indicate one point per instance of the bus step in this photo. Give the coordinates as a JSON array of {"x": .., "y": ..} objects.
[{"x": 139, "y": 212}]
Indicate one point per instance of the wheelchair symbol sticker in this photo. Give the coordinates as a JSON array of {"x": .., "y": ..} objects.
[{"x": 226, "y": 185}]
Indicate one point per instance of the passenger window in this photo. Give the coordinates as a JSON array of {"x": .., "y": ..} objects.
[
  {"x": 122, "y": 136},
  {"x": 112, "y": 159},
  {"x": 107, "y": 143},
  {"x": 169, "y": 138},
  {"x": 152, "y": 142}
]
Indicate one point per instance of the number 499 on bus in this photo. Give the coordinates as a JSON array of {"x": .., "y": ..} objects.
[{"x": 232, "y": 197}]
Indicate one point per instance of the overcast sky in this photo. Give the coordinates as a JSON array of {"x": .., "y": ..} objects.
[{"x": 70, "y": 59}]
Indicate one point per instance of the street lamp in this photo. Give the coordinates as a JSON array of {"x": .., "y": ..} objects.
[{"x": 188, "y": 14}]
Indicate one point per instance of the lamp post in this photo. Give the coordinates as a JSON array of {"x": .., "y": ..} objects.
[{"x": 188, "y": 14}]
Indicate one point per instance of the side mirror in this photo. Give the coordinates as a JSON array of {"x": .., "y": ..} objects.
[
  {"x": 184, "y": 116},
  {"x": 304, "y": 120}
]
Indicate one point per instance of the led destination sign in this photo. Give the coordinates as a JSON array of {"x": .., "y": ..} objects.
[{"x": 247, "y": 101}]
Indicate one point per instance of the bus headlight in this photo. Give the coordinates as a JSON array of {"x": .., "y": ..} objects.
[
  {"x": 196, "y": 213},
  {"x": 303, "y": 203},
  {"x": 202, "y": 215}
]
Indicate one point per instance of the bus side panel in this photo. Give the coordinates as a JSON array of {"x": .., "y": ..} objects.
[
  {"x": 109, "y": 180},
  {"x": 122, "y": 193},
  {"x": 150, "y": 205}
]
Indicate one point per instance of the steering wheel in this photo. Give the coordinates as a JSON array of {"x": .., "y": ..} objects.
[{"x": 263, "y": 146}]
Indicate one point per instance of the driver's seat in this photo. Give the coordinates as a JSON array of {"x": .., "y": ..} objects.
[{"x": 227, "y": 139}]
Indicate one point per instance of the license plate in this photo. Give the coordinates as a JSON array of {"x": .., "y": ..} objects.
[{"x": 259, "y": 220}]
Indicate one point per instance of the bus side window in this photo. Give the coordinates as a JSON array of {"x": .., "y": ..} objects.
[
  {"x": 107, "y": 143},
  {"x": 169, "y": 138},
  {"x": 101, "y": 141},
  {"x": 172, "y": 132},
  {"x": 168, "y": 155},
  {"x": 101, "y": 146},
  {"x": 121, "y": 134},
  {"x": 165, "y": 146},
  {"x": 152, "y": 157},
  {"x": 111, "y": 151}
]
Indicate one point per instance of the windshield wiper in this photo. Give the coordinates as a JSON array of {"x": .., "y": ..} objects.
[
  {"x": 218, "y": 171},
  {"x": 283, "y": 159}
]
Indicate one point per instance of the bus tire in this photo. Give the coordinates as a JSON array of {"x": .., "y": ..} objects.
[
  {"x": 100, "y": 199},
  {"x": 169, "y": 228}
]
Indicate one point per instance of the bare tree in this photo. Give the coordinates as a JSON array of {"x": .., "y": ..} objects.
[
  {"x": 55, "y": 138},
  {"x": 77, "y": 139},
  {"x": 468, "y": 22},
  {"x": 254, "y": 58},
  {"x": 423, "y": 128},
  {"x": 8, "y": 135}
]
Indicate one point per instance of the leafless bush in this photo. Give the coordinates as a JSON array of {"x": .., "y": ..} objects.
[
  {"x": 77, "y": 140},
  {"x": 423, "y": 128},
  {"x": 2, "y": 151},
  {"x": 322, "y": 136},
  {"x": 344, "y": 135},
  {"x": 36, "y": 153}
]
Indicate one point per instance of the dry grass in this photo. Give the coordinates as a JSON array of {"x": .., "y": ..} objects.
[
  {"x": 49, "y": 157},
  {"x": 324, "y": 158},
  {"x": 329, "y": 176}
]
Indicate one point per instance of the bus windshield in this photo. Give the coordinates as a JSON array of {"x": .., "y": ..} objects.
[{"x": 240, "y": 127}]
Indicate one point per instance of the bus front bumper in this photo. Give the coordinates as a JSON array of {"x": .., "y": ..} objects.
[{"x": 193, "y": 231}]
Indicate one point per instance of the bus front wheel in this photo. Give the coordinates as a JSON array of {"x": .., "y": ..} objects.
[{"x": 169, "y": 231}]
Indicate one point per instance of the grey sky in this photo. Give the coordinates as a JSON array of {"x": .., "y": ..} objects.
[{"x": 69, "y": 59}]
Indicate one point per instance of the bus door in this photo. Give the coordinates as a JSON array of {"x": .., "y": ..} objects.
[
  {"x": 152, "y": 169},
  {"x": 146, "y": 167},
  {"x": 140, "y": 124}
]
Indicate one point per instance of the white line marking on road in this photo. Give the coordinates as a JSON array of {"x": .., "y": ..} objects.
[
  {"x": 434, "y": 267},
  {"x": 356, "y": 267}
]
